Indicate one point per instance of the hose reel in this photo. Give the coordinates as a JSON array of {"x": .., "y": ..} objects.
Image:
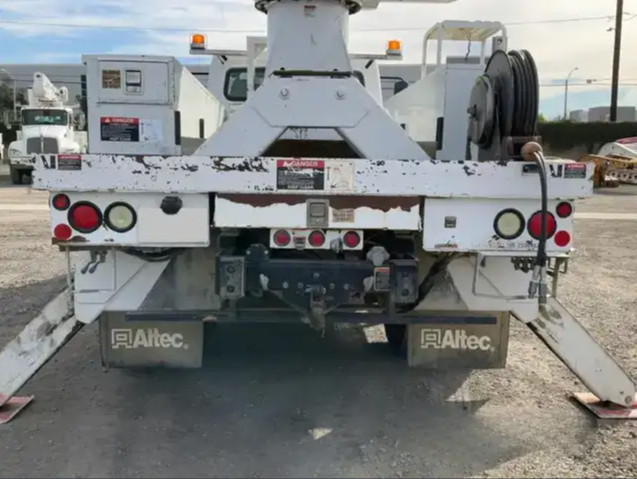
[{"x": 504, "y": 103}]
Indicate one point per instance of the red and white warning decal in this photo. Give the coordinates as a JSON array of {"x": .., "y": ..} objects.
[
  {"x": 575, "y": 170},
  {"x": 115, "y": 128},
  {"x": 298, "y": 174}
]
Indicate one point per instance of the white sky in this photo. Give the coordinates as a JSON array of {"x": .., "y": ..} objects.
[{"x": 557, "y": 48}]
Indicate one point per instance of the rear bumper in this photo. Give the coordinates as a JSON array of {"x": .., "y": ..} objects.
[
  {"x": 316, "y": 285},
  {"x": 21, "y": 163}
]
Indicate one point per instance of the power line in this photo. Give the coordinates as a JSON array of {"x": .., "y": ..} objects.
[
  {"x": 548, "y": 85},
  {"x": 228, "y": 30}
]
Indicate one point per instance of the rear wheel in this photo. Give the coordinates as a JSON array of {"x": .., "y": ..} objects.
[
  {"x": 16, "y": 175},
  {"x": 396, "y": 334}
]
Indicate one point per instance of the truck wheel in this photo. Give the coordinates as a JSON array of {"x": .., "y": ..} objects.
[
  {"x": 16, "y": 176},
  {"x": 28, "y": 175},
  {"x": 396, "y": 334}
]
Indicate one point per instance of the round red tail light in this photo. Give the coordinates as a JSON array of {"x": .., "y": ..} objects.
[
  {"x": 352, "y": 239},
  {"x": 61, "y": 202},
  {"x": 85, "y": 217},
  {"x": 63, "y": 232},
  {"x": 316, "y": 239},
  {"x": 282, "y": 238},
  {"x": 535, "y": 225},
  {"x": 564, "y": 210},
  {"x": 562, "y": 238}
]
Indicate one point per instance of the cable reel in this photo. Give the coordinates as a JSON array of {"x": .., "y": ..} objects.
[{"x": 504, "y": 106}]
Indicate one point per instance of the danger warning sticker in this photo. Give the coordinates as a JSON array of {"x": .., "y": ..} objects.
[
  {"x": 575, "y": 170},
  {"x": 297, "y": 174},
  {"x": 69, "y": 162},
  {"x": 119, "y": 129}
]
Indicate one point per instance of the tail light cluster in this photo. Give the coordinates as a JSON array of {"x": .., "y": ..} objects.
[
  {"x": 85, "y": 217},
  {"x": 510, "y": 224},
  {"x": 316, "y": 239}
]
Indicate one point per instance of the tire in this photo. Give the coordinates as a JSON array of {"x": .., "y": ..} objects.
[
  {"x": 16, "y": 175},
  {"x": 396, "y": 334}
]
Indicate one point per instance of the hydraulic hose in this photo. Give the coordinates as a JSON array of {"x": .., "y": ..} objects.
[{"x": 538, "y": 286}]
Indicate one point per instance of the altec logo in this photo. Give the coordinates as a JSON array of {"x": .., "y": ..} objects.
[
  {"x": 146, "y": 338},
  {"x": 454, "y": 339}
]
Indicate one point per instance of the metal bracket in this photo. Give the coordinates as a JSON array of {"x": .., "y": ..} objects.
[{"x": 97, "y": 258}]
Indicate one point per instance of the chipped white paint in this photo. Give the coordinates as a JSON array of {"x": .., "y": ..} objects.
[
  {"x": 108, "y": 173},
  {"x": 232, "y": 214}
]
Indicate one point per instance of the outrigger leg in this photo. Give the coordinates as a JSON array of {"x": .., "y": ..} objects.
[
  {"x": 614, "y": 391},
  {"x": 38, "y": 342}
]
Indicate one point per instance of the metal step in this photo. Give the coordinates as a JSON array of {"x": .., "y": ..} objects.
[
  {"x": 35, "y": 345},
  {"x": 583, "y": 355}
]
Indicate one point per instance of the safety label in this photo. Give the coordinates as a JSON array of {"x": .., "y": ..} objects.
[
  {"x": 69, "y": 162},
  {"x": 120, "y": 129},
  {"x": 575, "y": 170},
  {"x": 295, "y": 174},
  {"x": 346, "y": 215}
]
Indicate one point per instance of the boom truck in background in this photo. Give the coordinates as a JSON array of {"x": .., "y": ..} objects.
[
  {"x": 437, "y": 217},
  {"x": 48, "y": 125}
]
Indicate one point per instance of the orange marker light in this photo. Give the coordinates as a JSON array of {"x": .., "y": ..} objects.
[
  {"x": 198, "y": 40},
  {"x": 394, "y": 47}
]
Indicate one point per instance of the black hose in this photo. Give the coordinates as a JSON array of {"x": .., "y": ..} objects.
[{"x": 541, "y": 251}]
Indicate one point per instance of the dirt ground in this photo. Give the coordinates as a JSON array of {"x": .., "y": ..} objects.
[{"x": 277, "y": 401}]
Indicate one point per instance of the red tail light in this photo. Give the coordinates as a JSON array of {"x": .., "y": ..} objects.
[
  {"x": 61, "y": 202},
  {"x": 564, "y": 210},
  {"x": 562, "y": 239},
  {"x": 85, "y": 217},
  {"x": 63, "y": 232},
  {"x": 352, "y": 239},
  {"x": 282, "y": 238},
  {"x": 316, "y": 239},
  {"x": 535, "y": 225}
]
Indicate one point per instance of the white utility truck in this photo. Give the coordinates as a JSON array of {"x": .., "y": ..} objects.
[
  {"x": 267, "y": 220},
  {"x": 48, "y": 126}
]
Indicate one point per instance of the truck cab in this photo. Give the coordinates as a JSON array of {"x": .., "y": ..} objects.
[{"x": 45, "y": 128}]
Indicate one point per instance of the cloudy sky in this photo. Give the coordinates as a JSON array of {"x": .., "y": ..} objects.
[{"x": 31, "y": 32}]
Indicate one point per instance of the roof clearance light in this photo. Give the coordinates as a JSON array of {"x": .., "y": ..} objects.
[
  {"x": 395, "y": 47},
  {"x": 198, "y": 41}
]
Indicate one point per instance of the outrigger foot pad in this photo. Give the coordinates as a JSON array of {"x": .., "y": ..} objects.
[
  {"x": 606, "y": 409},
  {"x": 11, "y": 407}
]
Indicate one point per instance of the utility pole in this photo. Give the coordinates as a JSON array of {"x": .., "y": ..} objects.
[
  {"x": 616, "y": 57},
  {"x": 566, "y": 92}
]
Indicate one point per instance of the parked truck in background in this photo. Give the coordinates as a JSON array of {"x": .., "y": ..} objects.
[{"x": 48, "y": 125}]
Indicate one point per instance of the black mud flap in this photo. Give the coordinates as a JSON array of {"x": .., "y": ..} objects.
[
  {"x": 141, "y": 343},
  {"x": 458, "y": 340}
]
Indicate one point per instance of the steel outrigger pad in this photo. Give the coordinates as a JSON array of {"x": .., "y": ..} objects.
[
  {"x": 606, "y": 409},
  {"x": 11, "y": 407}
]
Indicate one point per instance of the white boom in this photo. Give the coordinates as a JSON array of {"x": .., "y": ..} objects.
[{"x": 45, "y": 94}]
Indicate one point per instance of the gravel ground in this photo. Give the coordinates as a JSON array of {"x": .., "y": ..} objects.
[{"x": 280, "y": 402}]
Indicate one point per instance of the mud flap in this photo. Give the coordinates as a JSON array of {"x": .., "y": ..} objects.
[
  {"x": 459, "y": 340},
  {"x": 151, "y": 342}
]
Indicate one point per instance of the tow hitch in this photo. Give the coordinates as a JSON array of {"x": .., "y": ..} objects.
[{"x": 314, "y": 287}]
